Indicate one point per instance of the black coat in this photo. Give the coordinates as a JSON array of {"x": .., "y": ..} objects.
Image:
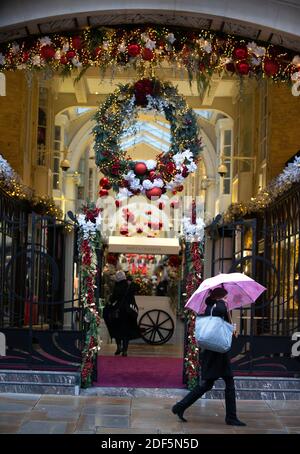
[
  {"x": 125, "y": 326},
  {"x": 214, "y": 364}
]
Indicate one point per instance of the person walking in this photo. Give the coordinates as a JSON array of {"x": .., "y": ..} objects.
[
  {"x": 118, "y": 314},
  {"x": 214, "y": 365}
]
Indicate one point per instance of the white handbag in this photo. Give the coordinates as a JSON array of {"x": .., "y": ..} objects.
[{"x": 213, "y": 333}]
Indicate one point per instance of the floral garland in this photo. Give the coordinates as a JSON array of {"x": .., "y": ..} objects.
[
  {"x": 199, "y": 52},
  {"x": 194, "y": 267},
  {"x": 277, "y": 186},
  {"x": 193, "y": 231},
  {"x": 88, "y": 241},
  {"x": 118, "y": 114},
  {"x": 11, "y": 184}
]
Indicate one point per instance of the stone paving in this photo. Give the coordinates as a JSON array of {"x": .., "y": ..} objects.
[{"x": 50, "y": 414}]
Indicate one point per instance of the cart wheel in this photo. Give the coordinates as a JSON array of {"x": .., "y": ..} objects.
[{"x": 156, "y": 327}]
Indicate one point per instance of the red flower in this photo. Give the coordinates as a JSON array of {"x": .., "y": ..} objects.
[
  {"x": 240, "y": 53},
  {"x": 47, "y": 52},
  {"x": 76, "y": 42},
  {"x": 134, "y": 50},
  {"x": 142, "y": 88},
  {"x": 147, "y": 54},
  {"x": 70, "y": 54}
]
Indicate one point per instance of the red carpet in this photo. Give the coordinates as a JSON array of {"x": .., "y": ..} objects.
[{"x": 139, "y": 372}]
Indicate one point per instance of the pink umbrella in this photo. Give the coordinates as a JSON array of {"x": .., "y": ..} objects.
[{"x": 242, "y": 290}]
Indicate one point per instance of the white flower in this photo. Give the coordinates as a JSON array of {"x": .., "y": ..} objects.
[
  {"x": 147, "y": 184},
  {"x": 45, "y": 41},
  {"x": 158, "y": 183},
  {"x": 255, "y": 61},
  {"x": 6, "y": 170},
  {"x": 192, "y": 167},
  {"x": 205, "y": 45},
  {"x": 171, "y": 38},
  {"x": 150, "y": 44},
  {"x": 129, "y": 175},
  {"x": 151, "y": 164},
  {"x": 2, "y": 59},
  {"x": 105, "y": 45},
  {"x": 145, "y": 37},
  {"x": 178, "y": 179},
  {"x": 57, "y": 55},
  {"x": 122, "y": 47},
  {"x": 36, "y": 60},
  {"x": 98, "y": 220},
  {"x": 76, "y": 62},
  {"x": 295, "y": 76},
  {"x": 178, "y": 158},
  {"x": 124, "y": 193},
  {"x": 296, "y": 60},
  {"x": 135, "y": 184},
  {"x": 15, "y": 48},
  {"x": 171, "y": 185},
  {"x": 258, "y": 51},
  {"x": 66, "y": 46},
  {"x": 188, "y": 155}
]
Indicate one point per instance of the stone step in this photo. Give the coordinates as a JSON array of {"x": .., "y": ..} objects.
[
  {"x": 247, "y": 388},
  {"x": 39, "y": 382}
]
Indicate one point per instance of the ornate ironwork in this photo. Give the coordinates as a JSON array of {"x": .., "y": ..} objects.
[
  {"x": 40, "y": 315},
  {"x": 267, "y": 249}
]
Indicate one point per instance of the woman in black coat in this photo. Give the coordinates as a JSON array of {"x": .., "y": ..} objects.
[
  {"x": 120, "y": 318},
  {"x": 214, "y": 365}
]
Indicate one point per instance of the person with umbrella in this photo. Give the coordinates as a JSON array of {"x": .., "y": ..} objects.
[{"x": 211, "y": 297}]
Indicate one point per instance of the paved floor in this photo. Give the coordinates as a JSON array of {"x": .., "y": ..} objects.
[{"x": 32, "y": 414}]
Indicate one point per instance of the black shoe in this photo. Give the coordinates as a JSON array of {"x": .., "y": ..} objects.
[
  {"x": 124, "y": 354},
  {"x": 177, "y": 410},
  {"x": 234, "y": 422},
  {"x": 117, "y": 352}
]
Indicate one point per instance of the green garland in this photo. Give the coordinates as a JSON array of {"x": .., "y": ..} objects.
[
  {"x": 89, "y": 240},
  {"x": 118, "y": 114}
]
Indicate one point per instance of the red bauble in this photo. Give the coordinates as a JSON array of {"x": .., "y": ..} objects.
[
  {"x": 103, "y": 193},
  {"x": 154, "y": 193},
  {"x": 152, "y": 175},
  {"x": 271, "y": 67},
  {"x": 160, "y": 225},
  {"x": 161, "y": 205},
  {"x": 47, "y": 52},
  {"x": 70, "y": 54},
  {"x": 118, "y": 203},
  {"x": 133, "y": 50},
  {"x": 243, "y": 68},
  {"x": 124, "y": 230},
  {"x": 240, "y": 53},
  {"x": 147, "y": 54},
  {"x": 140, "y": 168},
  {"x": 76, "y": 42},
  {"x": 139, "y": 230},
  {"x": 185, "y": 171},
  {"x": 180, "y": 188},
  {"x": 105, "y": 183},
  {"x": 174, "y": 192}
]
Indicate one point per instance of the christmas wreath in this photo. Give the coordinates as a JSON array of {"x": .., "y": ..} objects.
[{"x": 118, "y": 115}]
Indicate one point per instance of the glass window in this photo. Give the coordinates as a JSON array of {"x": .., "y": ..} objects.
[{"x": 56, "y": 158}]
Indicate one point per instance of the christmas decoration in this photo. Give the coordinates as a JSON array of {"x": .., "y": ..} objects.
[
  {"x": 11, "y": 184},
  {"x": 89, "y": 240},
  {"x": 193, "y": 272},
  {"x": 279, "y": 185},
  {"x": 119, "y": 113},
  {"x": 200, "y": 52}
]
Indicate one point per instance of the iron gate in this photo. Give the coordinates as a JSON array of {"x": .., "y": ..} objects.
[
  {"x": 39, "y": 313},
  {"x": 267, "y": 249}
]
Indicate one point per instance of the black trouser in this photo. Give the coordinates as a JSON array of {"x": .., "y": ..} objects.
[
  {"x": 122, "y": 344},
  {"x": 205, "y": 386}
]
